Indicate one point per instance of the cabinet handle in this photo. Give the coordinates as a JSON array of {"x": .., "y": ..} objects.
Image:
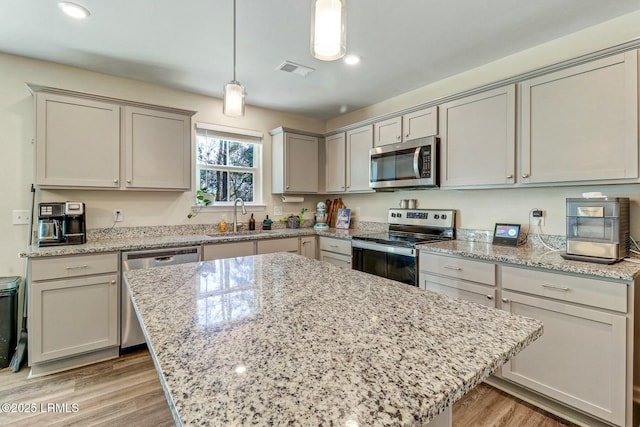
[
  {"x": 489, "y": 296},
  {"x": 113, "y": 282},
  {"x": 128, "y": 181},
  {"x": 287, "y": 187},
  {"x": 525, "y": 175},
  {"x": 509, "y": 176},
  {"x": 557, "y": 288},
  {"x": 451, "y": 267},
  {"x": 304, "y": 243},
  {"x": 77, "y": 267},
  {"x": 406, "y": 135},
  {"x": 505, "y": 300},
  {"x": 115, "y": 181},
  {"x": 333, "y": 246},
  {"x": 398, "y": 137}
]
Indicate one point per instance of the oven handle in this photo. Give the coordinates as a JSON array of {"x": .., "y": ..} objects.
[{"x": 397, "y": 250}]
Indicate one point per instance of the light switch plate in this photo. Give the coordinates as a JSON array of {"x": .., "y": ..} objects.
[{"x": 20, "y": 217}]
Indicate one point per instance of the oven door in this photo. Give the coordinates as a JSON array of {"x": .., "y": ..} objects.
[{"x": 392, "y": 262}]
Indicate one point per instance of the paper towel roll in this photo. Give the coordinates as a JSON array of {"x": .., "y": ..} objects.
[{"x": 292, "y": 199}]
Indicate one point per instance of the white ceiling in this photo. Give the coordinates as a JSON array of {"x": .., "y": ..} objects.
[{"x": 187, "y": 44}]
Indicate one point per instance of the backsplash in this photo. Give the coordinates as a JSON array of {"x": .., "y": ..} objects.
[
  {"x": 533, "y": 240},
  {"x": 115, "y": 233}
]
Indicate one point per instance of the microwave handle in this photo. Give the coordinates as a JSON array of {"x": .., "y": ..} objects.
[{"x": 416, "y": 163}]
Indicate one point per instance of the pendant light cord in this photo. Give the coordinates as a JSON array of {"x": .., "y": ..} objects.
[{"x": 234, "y": 40}]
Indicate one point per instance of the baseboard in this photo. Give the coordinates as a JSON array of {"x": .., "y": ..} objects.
[
  {"x": 546, "y": 404},
  {"x": 59, "y": 365}
]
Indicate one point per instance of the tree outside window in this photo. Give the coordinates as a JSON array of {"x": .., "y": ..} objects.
[{"x": 226, "y": 167}]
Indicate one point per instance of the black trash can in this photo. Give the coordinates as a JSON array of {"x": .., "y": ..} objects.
[{"x": 8, "y": 318}]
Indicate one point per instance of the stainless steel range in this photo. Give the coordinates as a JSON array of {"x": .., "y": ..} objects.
[{"x": 393, "y": 254}]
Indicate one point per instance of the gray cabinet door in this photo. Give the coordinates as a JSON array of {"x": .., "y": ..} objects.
[
  {"x": 72, "y": 316},
  {"x": 581, "y": 124},
  {"x": 580, "y": 359},
  {"x": 78, "y": 142}
]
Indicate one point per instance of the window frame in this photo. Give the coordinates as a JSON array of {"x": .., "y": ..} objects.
[{"x": 234, "y": 135}]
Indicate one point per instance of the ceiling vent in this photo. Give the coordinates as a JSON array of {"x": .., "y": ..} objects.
[{"x": 292, "y": 67}]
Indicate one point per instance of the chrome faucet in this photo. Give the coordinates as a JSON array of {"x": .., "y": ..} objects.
[{"x": 235, "y": 212}]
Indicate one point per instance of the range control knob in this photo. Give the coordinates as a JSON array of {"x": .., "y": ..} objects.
[
  {"x": 399, "y": 215},
  {"x": 436, "y": 216},
  {"x": 443, "y": 216}
]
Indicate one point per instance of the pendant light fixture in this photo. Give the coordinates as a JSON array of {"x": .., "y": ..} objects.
[
  {"x": 233, "y": 104},
  {"x": 328, "y": 29}
]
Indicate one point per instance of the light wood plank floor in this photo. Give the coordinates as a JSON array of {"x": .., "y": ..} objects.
[{"x": 127, "y": 392}]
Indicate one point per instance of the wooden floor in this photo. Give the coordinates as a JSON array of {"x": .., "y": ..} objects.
[{"x": 127, "y": 392}]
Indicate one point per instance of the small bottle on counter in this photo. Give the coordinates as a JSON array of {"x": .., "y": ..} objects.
[
  {"x": 252, "y": 223},
  {"x": 222, "y": 227},
  {"x": 266, "y": 224}
]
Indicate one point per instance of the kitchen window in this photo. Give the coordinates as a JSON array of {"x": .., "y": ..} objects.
[{"x": 229, "y": 163}]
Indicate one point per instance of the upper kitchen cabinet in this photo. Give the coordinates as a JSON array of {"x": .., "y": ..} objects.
[
  {"x": 478, "y": 139},
  {"x": 294, "y": 162},
  {"x": 359, "y": 142},
  {"x": 418, "y": 124},
  {"x": 78, "y": 142},
  {"x": 157, "y": 149},
  {"x": 336, "y": 165},
  {"x": 89, "y": 141},
  {"x": 581, "y": 124}
]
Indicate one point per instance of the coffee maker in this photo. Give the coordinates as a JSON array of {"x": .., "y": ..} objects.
[
  {"x": 61, "y": 223},
  {"x": 50, "y": 219},
  {"x": 73, "y": 225}
]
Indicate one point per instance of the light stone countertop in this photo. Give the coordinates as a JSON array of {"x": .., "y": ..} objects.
[
  {"x": 529, "y": 256},
  {"x": 280, "y": 339},
  {"x": 140, "y": 241}
]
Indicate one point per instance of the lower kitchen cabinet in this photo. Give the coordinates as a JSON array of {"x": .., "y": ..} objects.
[
  {"x": 228, "y": 250},
  {"x": 73, "y": 311},
  {"x": 450, "y": 276},
  {"x": 278, "y": 245},
  {"x": 308, "y": 246},
  {"x": 581, "y": 359},
  {"x": 335, "y": 251},
  {"x": 582, "y": 366}
]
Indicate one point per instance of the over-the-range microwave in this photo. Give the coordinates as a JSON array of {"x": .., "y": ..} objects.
[{"x": 408, "y": 164}]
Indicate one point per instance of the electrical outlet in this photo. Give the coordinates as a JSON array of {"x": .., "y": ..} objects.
[
  {"x": 20, "y": 217},
  {"x": 118, "y": 215},
  {"x": 537, "y": 216},
  {"x": 277, "y": 210}
]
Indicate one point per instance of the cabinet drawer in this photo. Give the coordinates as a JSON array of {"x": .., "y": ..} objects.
[
  {"x": 227, "y": 250},
  {"x": 72, "y": 266},
  {"x": 343, "y": 261},
  {"x": 480, "y": 294},
  {"x": 596, "y": 293},
  {"x": 335, "y": 245},
  {"x": 476, "y": 271},
  {"x": 278, "y": 245}
]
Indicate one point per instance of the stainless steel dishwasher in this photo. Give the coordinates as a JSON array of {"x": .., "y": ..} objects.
[{"x": 130, "y": 331}]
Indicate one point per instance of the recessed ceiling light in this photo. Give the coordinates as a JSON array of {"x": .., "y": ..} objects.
[
  {"x": 74, "y": 10},
  {"x": 352, "y": 59}
]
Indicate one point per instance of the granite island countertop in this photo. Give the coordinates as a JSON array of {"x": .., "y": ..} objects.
[
  {"x": 141, "y": 241},
  {"x": 283, "y": 339},
  {"x": 528, "y": 256}
]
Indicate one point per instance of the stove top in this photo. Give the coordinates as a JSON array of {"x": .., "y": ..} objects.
[{"x": 410, "y": 227}]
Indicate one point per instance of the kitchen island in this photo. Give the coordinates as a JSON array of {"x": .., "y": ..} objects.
[{"x": 283, "y": 339}]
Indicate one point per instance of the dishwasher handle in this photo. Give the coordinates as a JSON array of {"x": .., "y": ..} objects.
[{"x": 164, "y": 258}]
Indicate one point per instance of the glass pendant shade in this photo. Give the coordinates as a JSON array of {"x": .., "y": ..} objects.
[
  {"x": 233, "y": 104},
  {"x": 328, "y": 29}
]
